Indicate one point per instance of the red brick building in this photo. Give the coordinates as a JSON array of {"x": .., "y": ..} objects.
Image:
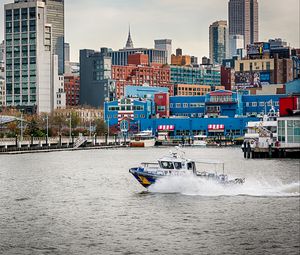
[
  {"x": 72, "y": 89},
  {"x": 138, "y": 73}
]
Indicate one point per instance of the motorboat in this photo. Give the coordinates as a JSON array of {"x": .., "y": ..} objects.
[
  {"x": 143, "y": 139},
  {"x": 200, "y": 140},
  {"x": 176, "y": 164}
]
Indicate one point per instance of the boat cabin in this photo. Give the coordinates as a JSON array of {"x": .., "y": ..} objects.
[{"x": 174, "y": 163}]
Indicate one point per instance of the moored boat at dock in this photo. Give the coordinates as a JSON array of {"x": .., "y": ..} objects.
[{"x": 143, "y": 139}]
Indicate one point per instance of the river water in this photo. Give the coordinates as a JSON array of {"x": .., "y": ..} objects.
[{"x": 86, "y": 202}]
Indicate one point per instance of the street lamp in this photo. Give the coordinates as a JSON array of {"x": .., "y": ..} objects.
[
  {"x": 21, "y": 136},
  {"x": 70, "y": 127},
  {"x": 47, "y": 128}
]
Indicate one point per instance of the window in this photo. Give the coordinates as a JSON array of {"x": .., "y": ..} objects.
[
  {"x": 261, "y": 103},
  {"x": 241, "y": 67},
  {"x": 254, "y": 104},
  {"x": 142, "y": 116},
  {"x": 185, "y": 105},
  {"x": 161, "y": 108},
  {"x": 178, "y": 105},
  {"x": 268, "y": 66},
  {"x": 167, "y": 165},
  {"x": 247, "y": 104}
]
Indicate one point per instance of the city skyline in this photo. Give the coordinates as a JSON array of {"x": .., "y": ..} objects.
[{"x": 156, "y": 19}]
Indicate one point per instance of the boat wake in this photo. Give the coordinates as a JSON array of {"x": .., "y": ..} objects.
[{"x": 194, "y": 186}]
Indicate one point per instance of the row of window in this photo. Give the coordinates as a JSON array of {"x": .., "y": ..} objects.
[
  {"x": 22, "y": 13},
  {"x": 255, "y": 104},
  {"x": 126, "y": 108},
  {"x": 136, "y": 116},
  {"x": 186, "y": 105}
]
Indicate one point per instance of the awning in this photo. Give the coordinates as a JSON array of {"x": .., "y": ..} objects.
[
  {"x": 216, "y": 128},
  {"x": 166, "y": 128}
]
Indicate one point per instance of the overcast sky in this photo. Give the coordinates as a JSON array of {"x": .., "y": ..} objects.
[{"x": 104, "y": 23}]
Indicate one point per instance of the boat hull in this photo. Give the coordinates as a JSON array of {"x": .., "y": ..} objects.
[
  {"x": 143, "y": 143},
  {"x": 143, "y": 178}
]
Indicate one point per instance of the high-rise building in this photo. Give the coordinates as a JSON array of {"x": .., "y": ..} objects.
[
  {"x": 243, "y": 19},
  {"x": 164, "y": 44},
  {"x": 218, "y": 41},
  {"x": 55, "y": 16},
  {"x": 31, "y": 66},
  {"x": 96, "y": 85},
  {"x": 236, "y": 43},
  {"x": 67, "y": 52},
  {"x": 2, "y": 76}
]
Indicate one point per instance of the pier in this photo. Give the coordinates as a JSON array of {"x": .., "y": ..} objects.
[
  {"x": 33, "y": 145},
  {"x": 274, "y": 150}
]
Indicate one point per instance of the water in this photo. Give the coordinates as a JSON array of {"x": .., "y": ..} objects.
[{"x": 86, "y": 202}]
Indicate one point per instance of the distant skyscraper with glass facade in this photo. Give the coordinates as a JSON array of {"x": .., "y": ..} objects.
[
  {"x": 243, "y": 19},
  {"x": 31, "y": 67},
  {"x": 218, "y": 41}
]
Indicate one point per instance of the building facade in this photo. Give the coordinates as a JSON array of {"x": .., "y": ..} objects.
[
  {"x": 85, "y": 114},
  {"x": 144, "y": 91},
  {"x": 236, "y": 46},
  {"x": 191, "y": 90},
  {"x": 55, "y": 17},
  {"x": 30, "y": 70},
  {"x": 120, "y": 57},
  {"x": 166, "y": 45},
  {"x": 218, "y": 41},
  {"x": 243, "y": 19},
  {"x": 254, "y": 73},
  {"x": 96, "y": 85},
  {"x": 72, "y": 89},
  {"x": 2, "y": 76},
  {"x": 139, "y": 75},
  {"x": 219, "y": 113},
  {"x": 203, "y": 75}
]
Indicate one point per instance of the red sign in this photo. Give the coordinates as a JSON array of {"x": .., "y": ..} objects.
[
  {"x": 166, "y": 127},
  {"x": 215, "y": 127}
]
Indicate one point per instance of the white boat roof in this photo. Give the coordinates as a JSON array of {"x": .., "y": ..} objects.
[
  {"x": 253, "y": 124},
  {"x": 200, "y": 136}
]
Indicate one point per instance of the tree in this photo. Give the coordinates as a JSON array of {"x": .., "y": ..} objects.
[
  {"x": 75, "y": 120},
  {"x": 34, "y": 126},
  {"x": 58, "y": 121},
  {"x": 101, "y": 127}
]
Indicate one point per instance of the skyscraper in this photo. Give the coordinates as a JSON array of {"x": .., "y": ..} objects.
[
  {"x": 243, "y": 19},
  {"x": 55, "y": 17},
  {"x": 31, "y": 66},
  {"x": 164, "y": 44},
  {"x": 218, "y": 41}
]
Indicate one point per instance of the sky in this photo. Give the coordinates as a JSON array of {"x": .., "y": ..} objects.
[{"x": 92, "y": 24}]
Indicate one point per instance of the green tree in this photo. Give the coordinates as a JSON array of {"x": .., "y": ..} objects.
[
  {"x": 75, "y": 120},
  {"x": 58, "y": 121},
  {"x": 101, "y": 127}
]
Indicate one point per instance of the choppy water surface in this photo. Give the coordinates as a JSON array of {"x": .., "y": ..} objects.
[{"x": 86, "y": 202}]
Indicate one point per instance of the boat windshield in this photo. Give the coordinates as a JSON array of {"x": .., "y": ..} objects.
[{"x": 167, "y": 165}]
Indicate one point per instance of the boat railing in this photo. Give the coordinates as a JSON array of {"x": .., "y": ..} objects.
[{"x": 150, "y": 165}]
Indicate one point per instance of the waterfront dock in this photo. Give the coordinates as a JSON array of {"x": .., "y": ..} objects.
[
  {"x": 273, "y": 150},
  {"x": 38, "y": 145}
]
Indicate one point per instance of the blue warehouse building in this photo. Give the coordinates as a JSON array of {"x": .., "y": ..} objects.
[{"x": 219, "y": 113}]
